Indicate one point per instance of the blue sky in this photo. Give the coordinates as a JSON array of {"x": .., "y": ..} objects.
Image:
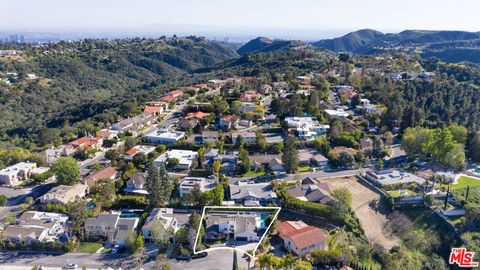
[{"x": 240, "y": 17}]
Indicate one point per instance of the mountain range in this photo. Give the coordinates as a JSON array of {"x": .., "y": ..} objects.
[{"x": 450, "y": 46}]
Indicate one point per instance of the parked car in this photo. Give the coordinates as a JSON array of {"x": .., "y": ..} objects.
[
  {"x": 199, "y": 255},
  {"x": 211, "y": 176},
  {"x": 117, "y": 249},
  {"x": 71, "y": 266}
]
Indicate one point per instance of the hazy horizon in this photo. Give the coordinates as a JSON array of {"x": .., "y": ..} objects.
[{"x": 239, "y": 20}]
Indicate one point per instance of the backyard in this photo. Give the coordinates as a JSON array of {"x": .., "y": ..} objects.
[
  {"x": 89, "y": 247},
  {"x": 465, "y": 181}
]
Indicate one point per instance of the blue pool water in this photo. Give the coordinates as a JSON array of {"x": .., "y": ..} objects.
[
  {"x": 263, "y": 221},
  {"x": 130, "y": 214},
  {"x": 477, "y": 170}
]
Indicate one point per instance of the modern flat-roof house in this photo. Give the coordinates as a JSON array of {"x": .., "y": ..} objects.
[
  {"x": 188, "y": 183},
  {"x": 16, "y": 174},
  {"x": 301, "y": 239},
  {"x": 164, "y": 219},
  {"x": 185, "y": 158},
  {"x": 167, "y": 137},
  {"x": 110, "y": 173},
  {"x": 145, "y": 149},
  {"x": 137, "y": 184},
  {"x": 307, "y": 128},
  {"x": 336, "y": 114},
  {"x": 393, "y": 177},
  {"x": 241, "y": 227},
  {"x": 112, "y": 226},
  {"x": 36, "y": 226},
  {"x": 252, "y": 194},
  {"x": 64, "y": 194}
]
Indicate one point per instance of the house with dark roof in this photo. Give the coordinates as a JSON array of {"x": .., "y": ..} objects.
[
  {"x": 301, "y": 239},
  {"x": 228, "y": 160},
  {"x": 252, "y": 194},
  {"x": 312, "y": 193}
]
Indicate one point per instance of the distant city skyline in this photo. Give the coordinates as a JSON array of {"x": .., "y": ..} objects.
[{"x": 300, "y": 19}]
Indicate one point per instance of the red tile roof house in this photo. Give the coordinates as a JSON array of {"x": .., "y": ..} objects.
[
  {"x": 249, "y": 96},
  {"x": 176, "y": 93},
  {"x": 105, "y": 173},
  {"x": 87, "y": 142},
  {"x": 228, "y": 121},
  {"x": 301, "y": 239},
  {"x": 168, "y": 99},
  {"x": 196, "y": 115},
  {"x": 154, "y": 110}
]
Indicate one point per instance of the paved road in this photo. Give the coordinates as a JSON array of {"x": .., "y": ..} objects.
[
  {"x": 300, "y": 176},
  {"x": 216, "y": 260},
  {"x": 17, "y": 196}
]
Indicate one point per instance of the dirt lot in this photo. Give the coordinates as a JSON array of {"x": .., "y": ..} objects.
[{"x": 367, "y": 207}]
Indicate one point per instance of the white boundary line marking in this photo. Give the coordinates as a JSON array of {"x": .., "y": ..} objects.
[{"x": 235, "y": 248}]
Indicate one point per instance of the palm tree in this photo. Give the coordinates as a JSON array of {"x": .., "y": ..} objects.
[
  {"x": 248, "y": 258},
  {"x": 266, "y": 261}
]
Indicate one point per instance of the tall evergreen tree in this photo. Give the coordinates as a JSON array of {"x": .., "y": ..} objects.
[
  {"x": 290, "y": 155},
  {"x": 159, "y": 186}
]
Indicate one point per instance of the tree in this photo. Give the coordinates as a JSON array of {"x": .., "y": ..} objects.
[
  {"x": 112, "y": 154},
  {"x": 66, "y": 170},
  {"x": 139, "y": 257},
  {"x": 302, "y": 265},
  {"x": 105, "y": 193},
  {"x": 140, "y": 159},
  {"x": 343, "y": 200},
  {"x": 77, "y": 210},
  {"x": 194, "y": 196},
  {"x": 290, "y": 155},
  {"x": 217, "y": 164},
  {"x": 130, "y": 142},
  {"x": 159, "y": 186},
  {"x": 130, "y": 242},
  {"x": 161, "y": 263},
  {"x": 217, "y": 195},
  {"x": 3, "y": 200},
  {"x": 378, "y": 148},
  {"x": 159, "y": 234},
  {"x": 181, "y": 236},
  {"x": 194, "y": 221},
  {"x": 345, "y": 160},
  {"x": 244, "y": 165},
  {"x": 235, "y": 263},
  {"x": 173, "y": 162},
  {"x": 475, "y": 147}
]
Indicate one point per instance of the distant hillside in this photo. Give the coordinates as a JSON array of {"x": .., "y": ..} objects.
[
  {"x": 263, "y": 44},
  {"x": 350, "y": 42},
  {"x": 81, "y": 79},
  {"x": 451, "y": 46}
]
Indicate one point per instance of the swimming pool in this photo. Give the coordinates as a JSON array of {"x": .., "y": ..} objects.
[
  {"x": 263, "y": 220},
  {"x": 130, "y": 214}
]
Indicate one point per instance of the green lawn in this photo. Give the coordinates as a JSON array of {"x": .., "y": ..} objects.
[
  {"x": 465, "y": 181},
  {"x": 254, "y": 174},
  {"x": 304, "y": 169},
  {"x": 396, "y": 193},
  {"x": 88, "y": 247}
]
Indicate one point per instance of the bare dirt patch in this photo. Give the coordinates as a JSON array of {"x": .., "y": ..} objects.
[{"x": 369, "y": 208}]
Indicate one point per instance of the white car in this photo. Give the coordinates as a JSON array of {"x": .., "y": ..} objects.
[{"x": 71, "y": 266}]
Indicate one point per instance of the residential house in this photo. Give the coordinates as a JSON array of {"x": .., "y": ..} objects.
[
  {"x": 366, "y": 107},
  {"x": 168, "y": 99},
  {"x": 185, "y": 158},
  {"x": 187, "y": 124},
  {"x": 393, "y": 177},
  {"x": 264, "y": 89},
  {"x": 312, "y": 157},
  {"x": 248, "y": 107},
  {"x": 175, "y": 93},
  {"x": 111, "y": 226},
  {"x": 167, "y": 137},
  {"x": 336, "y": 114},
  {"x": 241, "y": 227},
  {"x": 163, "y": 221},
  {"x": 346, "y": 90},
  {"x": 281, "y": 86},
  {"x": 64, "y": 194},
  {"x": 145, "y": 149},
  {"x": 209, "y": 136},
  {"x": 188, "y": 183},
  {"x": 107, "y": 134},
  {"x": 154, "y": 110},
  {"x": 319, "y": 193},
  {"x": 136, "y": 184},
  {"x": 249, "y": 96},
  {"x": 33, "y": 226},
  {"x": 16, "y": 174},
  {"x": 228, "y": 161},
  {"x": 87, "y": 142},
  {"x": 248, "y": 137},
  {"x": 110, "y": 173},
  {"x": 261, "y": 161},
  {"x": 252, "y": 194},
  {"x": 301, "y": 239},
  {"x": 228, "y": 122},
  {"x": 307, "y": 128},
  {"x": 135, "y": 123}
]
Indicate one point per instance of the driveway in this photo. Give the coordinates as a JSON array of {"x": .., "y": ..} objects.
[{"x": 369, "y": 208}]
